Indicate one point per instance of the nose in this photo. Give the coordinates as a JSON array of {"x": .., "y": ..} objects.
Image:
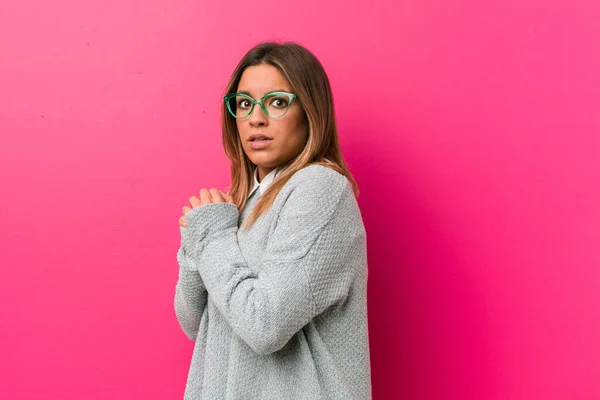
[{"x": 258, "y": 117}]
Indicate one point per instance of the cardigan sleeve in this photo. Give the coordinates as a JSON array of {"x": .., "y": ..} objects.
[
  {"x": 305, "y": 269},
  {"x": 190, "y": 292}
]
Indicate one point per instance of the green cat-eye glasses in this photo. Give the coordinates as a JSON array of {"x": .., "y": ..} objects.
[{"x": 274, "y": 104}]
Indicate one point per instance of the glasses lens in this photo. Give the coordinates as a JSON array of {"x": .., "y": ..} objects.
[
  {"x": 276, "y": 105},
  {"x": 239, "y": 106}
]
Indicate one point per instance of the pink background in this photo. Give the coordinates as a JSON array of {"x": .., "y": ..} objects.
[{"x": 471, "y": 127}]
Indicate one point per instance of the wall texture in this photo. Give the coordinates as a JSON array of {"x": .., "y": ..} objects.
[{"x": 471, "y": 127}]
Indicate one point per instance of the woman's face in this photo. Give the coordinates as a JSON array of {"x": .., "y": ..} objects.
[{"x": 286, "y": 135}]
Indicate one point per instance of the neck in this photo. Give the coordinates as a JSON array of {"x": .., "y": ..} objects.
[{"x": 262, "y": 172}]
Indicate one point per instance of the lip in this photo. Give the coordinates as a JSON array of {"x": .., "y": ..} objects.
[
  {"x": 259, "y": 144},
  {"x": 258, "y": 135}
]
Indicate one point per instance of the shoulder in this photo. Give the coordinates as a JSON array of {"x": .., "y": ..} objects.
[
  {"x": 318, "y": 170},
  {"x": 316, "y": 189},
  {"x": 320, "y": 179}
]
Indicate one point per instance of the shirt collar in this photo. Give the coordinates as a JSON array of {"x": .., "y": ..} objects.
[{"x": 264, "y": 184}]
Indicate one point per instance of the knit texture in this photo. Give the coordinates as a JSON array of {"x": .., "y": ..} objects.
[{"x": 279, "y": 311}]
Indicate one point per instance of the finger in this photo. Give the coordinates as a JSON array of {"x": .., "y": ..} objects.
[
  {"x": 205, "y": 197},
  {"x": 185, "y": 209},
  {"x": 182, "y": 222},
  {"x": 195, "y": 202},
  {"x": 229, "y": 198},
  {"x": 217, "y": 196}
]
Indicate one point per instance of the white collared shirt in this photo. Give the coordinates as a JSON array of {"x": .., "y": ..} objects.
[{"x": 264, "y": 184}]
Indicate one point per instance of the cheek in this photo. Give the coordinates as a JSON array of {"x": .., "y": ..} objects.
[
  {"x": 297, "y": 126},
  {"x": 289, "y": 133},
  {"x": 302, "y": 131}
]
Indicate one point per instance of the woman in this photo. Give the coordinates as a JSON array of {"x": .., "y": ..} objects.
[{"x": 273, "y": 275}]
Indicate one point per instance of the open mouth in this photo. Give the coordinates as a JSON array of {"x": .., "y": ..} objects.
[{"x": 259, "y": 142}]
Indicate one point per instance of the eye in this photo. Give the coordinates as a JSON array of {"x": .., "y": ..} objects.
[
  {"x": 279, "y": 102},
  {"x": 243, "y": 103}
]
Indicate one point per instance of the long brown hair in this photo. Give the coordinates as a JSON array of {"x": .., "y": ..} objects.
[{"x": 308, "y": 80}]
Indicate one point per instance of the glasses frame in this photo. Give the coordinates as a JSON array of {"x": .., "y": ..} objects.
[{"x": 290, "y": 96}]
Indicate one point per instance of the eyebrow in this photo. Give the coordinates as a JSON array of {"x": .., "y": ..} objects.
[{"x": 271, "y": 91}]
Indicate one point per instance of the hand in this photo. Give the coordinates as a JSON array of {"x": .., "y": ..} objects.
[{"x": 206, "y": 197}]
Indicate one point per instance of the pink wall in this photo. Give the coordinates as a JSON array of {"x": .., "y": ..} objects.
[{"x": 472, "y": 130}]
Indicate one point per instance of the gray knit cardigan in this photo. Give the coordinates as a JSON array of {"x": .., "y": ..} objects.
[{"x": 279, "y": 311}]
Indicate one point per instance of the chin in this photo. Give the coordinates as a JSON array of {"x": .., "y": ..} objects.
[{"x": 266, "y": 162}]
